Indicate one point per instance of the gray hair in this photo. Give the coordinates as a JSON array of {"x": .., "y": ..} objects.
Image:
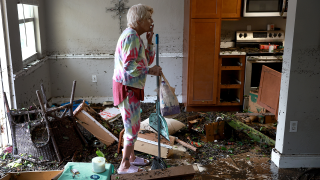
[{"x": 137, "y": 13}]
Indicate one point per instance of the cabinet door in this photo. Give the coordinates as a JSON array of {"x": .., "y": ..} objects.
[
  {"x": 205, "y": 8},
  {"x": 203, "y": 62},
  {"x": 231, "y": 9}
]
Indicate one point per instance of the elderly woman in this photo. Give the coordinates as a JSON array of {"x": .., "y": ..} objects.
[{"x": 130, "y": 72}]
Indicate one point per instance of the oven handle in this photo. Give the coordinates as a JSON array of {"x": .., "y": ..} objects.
[
  {"x": 283, "y": 7},
  {"x": 258, "y": 60}
]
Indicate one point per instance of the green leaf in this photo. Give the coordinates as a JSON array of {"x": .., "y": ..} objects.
[
  {"x": 115, "y": 154},
  {"x": 4, "y": 156},
  {"x": 29, "y": 155},
  {"x": 210, "y": 158},
  {"x": 41, "y": 157},
  {"x": 99, "y": 153},
  {"x": 223, "y": 148},
  {"x": 248, "y": 158},
  {"x": 66, "y": 137}
]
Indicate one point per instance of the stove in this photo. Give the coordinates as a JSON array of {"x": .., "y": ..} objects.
[{"x": 250, "y": 41}]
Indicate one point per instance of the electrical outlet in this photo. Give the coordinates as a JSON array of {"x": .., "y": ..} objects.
[
  {"x": 293, "y": 126},
  {"x": 94, "y": 78}
]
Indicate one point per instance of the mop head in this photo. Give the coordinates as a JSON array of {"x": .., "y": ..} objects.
[{"x": 158, "y": 163}]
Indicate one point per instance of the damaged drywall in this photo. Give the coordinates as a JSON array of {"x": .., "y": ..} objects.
[
  {"x": 83, "y": 27},
  {"x": 79, "y": 28},
  {"x": 64, "y": 71},
  {"x": 26, "y": 86}
]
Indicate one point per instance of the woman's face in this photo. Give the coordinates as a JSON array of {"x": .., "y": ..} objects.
[{"x": 146, "y": 23}]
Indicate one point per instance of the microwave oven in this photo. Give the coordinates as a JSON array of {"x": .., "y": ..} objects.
[{"x": 265, "y": 8}]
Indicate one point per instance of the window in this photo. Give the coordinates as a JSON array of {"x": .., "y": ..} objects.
[{"x": 27, "y": 23}]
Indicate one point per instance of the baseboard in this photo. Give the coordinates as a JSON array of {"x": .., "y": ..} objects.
[
  {"x": 295, "y": 160},
  {"x": 92, "y": 99}
]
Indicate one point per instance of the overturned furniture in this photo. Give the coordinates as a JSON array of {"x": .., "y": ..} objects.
[
  {"x": 60, "y": 137},
  {"x": 94, "y": 123}
]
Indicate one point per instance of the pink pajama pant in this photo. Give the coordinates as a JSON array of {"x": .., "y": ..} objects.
[{"x": 130, "y": 112}]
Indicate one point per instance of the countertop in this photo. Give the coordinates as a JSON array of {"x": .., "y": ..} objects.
[{"x": 244, "y": 51}]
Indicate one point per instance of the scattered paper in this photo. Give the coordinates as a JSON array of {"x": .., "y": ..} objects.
[{"x": 110, "y": 114}]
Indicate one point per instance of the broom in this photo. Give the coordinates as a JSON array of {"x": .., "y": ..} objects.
[{"x": 157, "y": 162}]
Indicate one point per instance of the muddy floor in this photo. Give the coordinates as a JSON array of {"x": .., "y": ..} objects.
[{"x": 235, "y": 157}]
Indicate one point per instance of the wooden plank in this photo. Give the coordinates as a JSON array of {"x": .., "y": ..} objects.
[
  {"x": 32, "y": 175},
  {"x": 252, "y": 133},
  {"x": 254, "y": 114},
  {"x": 169, "y": 173},
  {"x": 152, "y": 148}
]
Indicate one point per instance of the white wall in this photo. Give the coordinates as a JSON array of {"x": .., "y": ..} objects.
[
  {"x": 300, "y": 87},
  {"x": 82, "y": 27},
  {"x": 27, "y": 85},
  {"x": 81, "y": 70},
  {"x": 28, "y": 81}
]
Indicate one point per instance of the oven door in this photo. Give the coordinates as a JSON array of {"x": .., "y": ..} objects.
[
  {"x": 252, "y": 74},
  {"x": 265, "y": 8}
]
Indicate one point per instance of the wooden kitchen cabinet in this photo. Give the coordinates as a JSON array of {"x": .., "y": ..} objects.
[
  {"x": 231, "y": 80},
  {"x": 205, "y": 9},
  {"x": 231, "y": 9},
  {"x": 204, "y": 52},
  {"x": 202, "y": 75}
]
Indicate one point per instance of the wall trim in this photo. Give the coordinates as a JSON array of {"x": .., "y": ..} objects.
[
  {"x": 97, "y": 99},
  {"x": 295, "y": 160},
  {"x": 31, "y": 67},
  {"x": 104, "y": 56}
]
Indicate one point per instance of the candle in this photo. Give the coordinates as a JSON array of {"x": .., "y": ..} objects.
[{"x": 98, "y": 164}]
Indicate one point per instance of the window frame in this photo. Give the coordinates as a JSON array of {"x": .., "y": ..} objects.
[{"x": 36, "y": 31}]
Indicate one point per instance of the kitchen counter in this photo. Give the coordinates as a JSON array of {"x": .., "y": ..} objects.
[{"x": 244, "y": 51}]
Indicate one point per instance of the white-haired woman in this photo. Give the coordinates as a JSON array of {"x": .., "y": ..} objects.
[{"x": 131, "y": 63}]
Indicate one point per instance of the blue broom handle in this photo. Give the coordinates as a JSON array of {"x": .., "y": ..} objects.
[{"x": 158, "y": 99}]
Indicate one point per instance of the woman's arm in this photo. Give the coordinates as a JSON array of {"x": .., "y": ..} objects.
[
  {"x": 150, "y": 54},
  {"x": 130, "y": 51}
]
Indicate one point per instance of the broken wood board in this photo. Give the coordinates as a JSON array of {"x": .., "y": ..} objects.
[
  {"x": 214, "y": 131},
  {"x": 252, "y": 133},
  {"x": 254, "y": 114},
  {"x": 269, "y": 90},
  {"x": 83, "y": 115},
  {"x": 27, "y": 175},
  {"x": 180, "y": 172},
  {"x": 148, "y": 143}
]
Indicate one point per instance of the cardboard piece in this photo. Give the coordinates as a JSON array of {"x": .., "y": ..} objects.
[
  {"x": 110, "y": 114},
  {"x": 173, "y": 125},
  {"x": 148, "y": 143},
  {"x": 82, "y": 113},
  {"x": 214, "y": 131},
  {"x": 27, "y": 175},
  {"x": 254, "y": 107}
]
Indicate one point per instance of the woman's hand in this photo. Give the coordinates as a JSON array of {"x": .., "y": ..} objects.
[
  {"x": 149, "y": 35},
  {"x": 155, "y": 70}
]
